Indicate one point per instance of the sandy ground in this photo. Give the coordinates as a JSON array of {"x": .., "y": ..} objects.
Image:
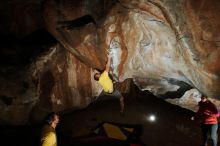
[{"x": 172, "y": 126}]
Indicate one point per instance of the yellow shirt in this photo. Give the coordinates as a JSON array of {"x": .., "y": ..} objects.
[
  {"x": 48, "y": 136},
  {"x": 106, "y": 82}
]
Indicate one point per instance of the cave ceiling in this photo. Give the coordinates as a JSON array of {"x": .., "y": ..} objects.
[{"x": 50, "y": 50}]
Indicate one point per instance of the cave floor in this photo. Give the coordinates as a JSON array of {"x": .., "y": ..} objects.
[{"x": 172, "y": 126}]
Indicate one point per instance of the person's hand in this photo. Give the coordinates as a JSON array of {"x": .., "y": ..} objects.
[
  {"x": 108, "y": 64},
  {"x": 208, "y": 113},
  {"x": 108, "y": 53},
  {"x": 192, "y": 118}
]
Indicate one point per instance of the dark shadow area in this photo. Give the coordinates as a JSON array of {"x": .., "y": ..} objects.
[
  {"x": 18, "y": 52},
  {"x": 20, "y": 135},
  {"x": 76, "y": 23},
  {"x": 183, "y": 87},
  {"x": 6, "y": 99},
  {"x": 172, "y": 125},
  {"x": 105, "y": 134}
]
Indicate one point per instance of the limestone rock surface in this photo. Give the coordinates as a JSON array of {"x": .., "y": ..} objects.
[{"x": 168, "y": 47}]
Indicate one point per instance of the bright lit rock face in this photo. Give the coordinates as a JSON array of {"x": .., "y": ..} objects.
[
  {"x": 159, "y": 40},
  {"x": 164, "y": 46}
]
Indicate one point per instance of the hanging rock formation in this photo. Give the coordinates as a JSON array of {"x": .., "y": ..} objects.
[
  {"x": 164, "y": 46},
  {"x": 159, "y": 40}
]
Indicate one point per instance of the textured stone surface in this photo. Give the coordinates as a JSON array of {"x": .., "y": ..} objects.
[
  {"x": 165, "y": 46},
  {"x": 148, "y": 39},
  {"x": 63, "y": 83},
  {"x": 55, "y": 81},
  {"x": 190, "y": 98}
]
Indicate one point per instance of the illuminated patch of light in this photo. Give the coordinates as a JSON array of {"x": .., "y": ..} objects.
[{"x": 151, "y": 118}]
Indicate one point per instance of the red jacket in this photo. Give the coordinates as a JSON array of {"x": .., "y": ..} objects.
[{"x": 208, "y": 112}]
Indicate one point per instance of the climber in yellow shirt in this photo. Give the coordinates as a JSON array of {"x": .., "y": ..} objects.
[
  {"x": 48, "y": 133},
  {"x": 107, "y": 84}
]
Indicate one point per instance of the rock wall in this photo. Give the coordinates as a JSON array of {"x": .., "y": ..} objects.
[
  {"x": 164, "y": 46},
  {"x": 55, "y": 81},
  {"x": 159, "y": 40},
  {"x": 153, "y": 42}
]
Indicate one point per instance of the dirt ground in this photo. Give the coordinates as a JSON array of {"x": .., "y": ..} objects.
[{"x": 172, "y": 126}]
